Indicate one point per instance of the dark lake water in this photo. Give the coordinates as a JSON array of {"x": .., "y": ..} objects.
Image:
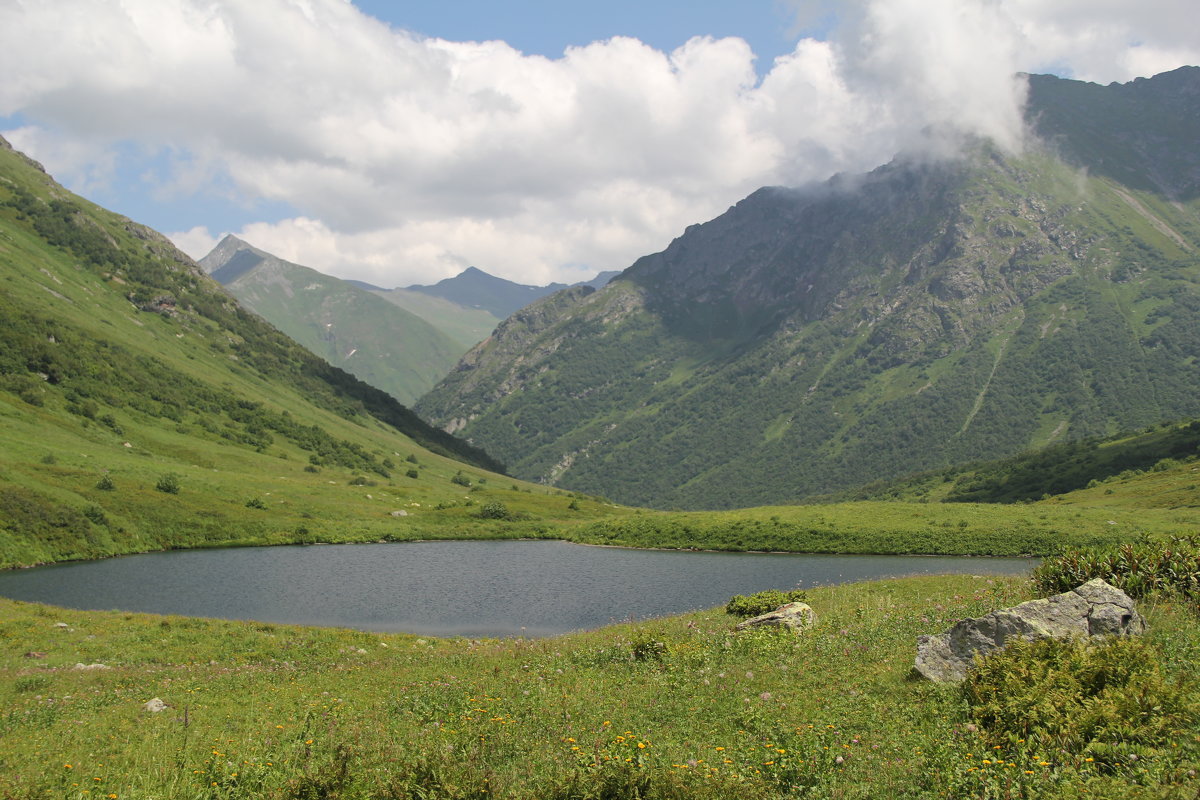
[{"x": 462, "y": 588}]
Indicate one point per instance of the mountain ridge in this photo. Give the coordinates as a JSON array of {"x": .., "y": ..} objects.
[
  {"x": 384, "y": 345},
  {"x": 809, "y": 340}
]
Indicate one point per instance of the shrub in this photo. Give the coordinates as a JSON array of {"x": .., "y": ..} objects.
[
  {"x": 168, "y": 483},
  {"x": 644, "y": 647},
  {"x": 96, "y": 514},
  {"x": 412, "y": 473},
  {"x": 105, "y": 484},
  {"x": 312, "y": 468},
  {"x": 1078, "y": 696},
  {"x": 30, "y": 683},
  {"x": 410, "y": 458},
  {"x": 1137, "y": 569},
  {"x": 762, "y": 602},
  {"x": 256, "y": 502},
  {"x": 494, "y": 509},
  {"x": 460, "y": 479}
]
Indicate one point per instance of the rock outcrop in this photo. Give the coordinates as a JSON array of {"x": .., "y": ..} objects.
[
  {"x": 795, "y": 617},
  {"x": 1093, "y": 609}
]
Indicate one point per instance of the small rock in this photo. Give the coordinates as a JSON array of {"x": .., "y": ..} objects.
[
  {"x": 35, "y": 654},
  {"x": 361, "y": 652},
  {"x": 400, "y": 513},
  {"x": 154, "y": 706},
  {"x": 793, "y": 616},
  {"x": 91, "y": 666},
  {"x": 1094, "y": 609},
  {"x": 61, "y": 625}
]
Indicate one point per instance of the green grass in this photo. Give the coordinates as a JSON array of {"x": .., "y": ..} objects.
[
  {"x": 892, "y": 527},
  {"x": 276, "y": 711}
]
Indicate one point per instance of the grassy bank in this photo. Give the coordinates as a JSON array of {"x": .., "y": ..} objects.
[
  {"x": 676, "y": 707},
  {"x": 892, "y": 528}
]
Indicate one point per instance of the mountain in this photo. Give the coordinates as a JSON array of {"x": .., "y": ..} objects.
[
  {"x": 464, "y": 325},
  {"x": 142, "y": 408},
  {"x": 1064, "y": 468},
  {"x": 384, "y": 345},
  {"x": 924, "y": 314},
  {"x": 474, "y": 288}
]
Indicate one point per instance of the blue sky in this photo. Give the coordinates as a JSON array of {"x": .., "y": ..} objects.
[
  {"x": 401, "y": 142},
  {"x": 548, "y": 27}
]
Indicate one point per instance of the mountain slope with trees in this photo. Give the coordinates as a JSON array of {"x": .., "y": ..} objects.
[{"x": 925, "y": 314}]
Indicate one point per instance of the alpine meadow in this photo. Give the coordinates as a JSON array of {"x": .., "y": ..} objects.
[{"x": 978, "y": 352}]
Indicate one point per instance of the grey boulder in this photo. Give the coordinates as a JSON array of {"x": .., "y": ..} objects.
[
  {"x": 794, "y": 617},
  {"x": 1094, "y": 609}
]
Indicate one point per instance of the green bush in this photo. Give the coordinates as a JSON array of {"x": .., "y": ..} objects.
[
  {"x": 1078, "y": 696},
  {"x": 644, "y": 647},
  {"x": 412, "y": 473},
  {"x": 256, "y": 502},
  {"x": 95, "y": 513},
  {"x": 168, "y": 483},
  {"x": 1137, "y": 569},
  {"x": 762, "y": 602},
  {"x": 105, "y": 484},
  {"x": 494, "y": 509},
  {"x": 460, "y": 480}
]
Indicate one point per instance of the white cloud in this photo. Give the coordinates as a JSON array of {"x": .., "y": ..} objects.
[
  {"x": 409, "y": 159},
  {"x": 197, "y": 242}
]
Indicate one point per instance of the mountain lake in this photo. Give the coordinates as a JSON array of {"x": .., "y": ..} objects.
[{"x": 453, "y": 588}]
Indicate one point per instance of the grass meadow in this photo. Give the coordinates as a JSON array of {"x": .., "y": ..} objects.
[{"x": 671, "y": 708}]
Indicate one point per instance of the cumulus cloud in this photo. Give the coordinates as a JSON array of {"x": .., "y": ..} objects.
[{"x": 409, "y": 159}]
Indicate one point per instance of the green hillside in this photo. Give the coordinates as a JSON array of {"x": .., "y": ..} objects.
[
  {"x": 351, "y": 328},
  {"x": 141, "y": 408},
  {"x": 466, "y": 326},
  {"x": 1167, "y": 451},
  {"x": 812, "y": 340}
]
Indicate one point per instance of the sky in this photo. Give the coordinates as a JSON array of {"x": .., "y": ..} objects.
[{"x": 538, "y": 140}]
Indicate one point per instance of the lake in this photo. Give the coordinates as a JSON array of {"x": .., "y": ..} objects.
[{"x": 459, "y": 588}]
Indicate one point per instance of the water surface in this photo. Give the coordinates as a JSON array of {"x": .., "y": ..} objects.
[{"x": 460, "y": 588}]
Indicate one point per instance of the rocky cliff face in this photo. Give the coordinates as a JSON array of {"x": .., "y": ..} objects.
[{"x": 810, "y": 339}]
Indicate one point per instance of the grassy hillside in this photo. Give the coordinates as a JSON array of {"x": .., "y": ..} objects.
[
  {"x": 141, "y": 408},
  {"x": 671, "y": 708},
  {"x": 380, "y": 343},
  {"x": 466, "y": 326},
  {"x": 1170, "y": 451}
]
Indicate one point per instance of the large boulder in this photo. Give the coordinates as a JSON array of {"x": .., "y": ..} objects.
[
  {"x": 1093, "y": 609},
  {"x": 794, "y": 617}
]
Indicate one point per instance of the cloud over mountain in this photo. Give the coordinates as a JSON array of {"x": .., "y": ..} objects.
[{"x": 407, "y": 158}]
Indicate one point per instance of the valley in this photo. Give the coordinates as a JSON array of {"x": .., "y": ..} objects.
[{"x": 993, "y": 356}]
